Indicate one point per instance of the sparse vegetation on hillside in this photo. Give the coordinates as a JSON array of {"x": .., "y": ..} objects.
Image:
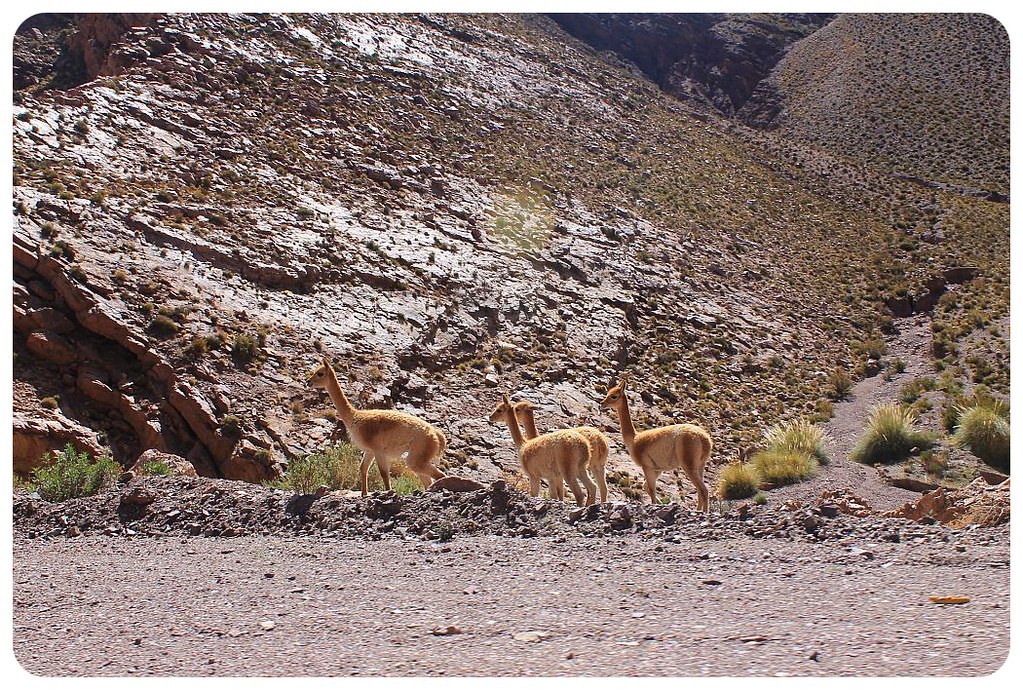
[
  {"x": 921, "y": 94},
  {"x": 782, "y": 260}
]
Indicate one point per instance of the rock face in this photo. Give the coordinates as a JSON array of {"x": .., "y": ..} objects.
[{"x": 710, "y": 59}]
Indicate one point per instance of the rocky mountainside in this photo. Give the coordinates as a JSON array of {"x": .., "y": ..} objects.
[{"x": 449, "y": 207}]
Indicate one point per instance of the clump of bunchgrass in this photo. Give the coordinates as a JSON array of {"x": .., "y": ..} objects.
[
  {"x": 841, "y": 383},
  {"x": 800, "y": 436},
  {"x": 890, "y": 436},
  {"x": 738, "y": 480},
  {"x": 984, "y": 430},
  {"x": 70, "y": 473},
  {"x": 778, "y": 467}
]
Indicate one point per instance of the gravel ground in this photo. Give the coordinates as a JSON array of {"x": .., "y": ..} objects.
[
  {"x": 193, "y": 576},
  {"x": 505, "y": 606}
]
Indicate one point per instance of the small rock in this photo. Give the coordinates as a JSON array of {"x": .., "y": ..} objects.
[
  {"x": 620, "y": 516},
  {"x": 267, "y": 625},
  {"x": 531, "y": 636},
  {"x": 456, "y": 484},
  {"x": 449, "y": 630}
]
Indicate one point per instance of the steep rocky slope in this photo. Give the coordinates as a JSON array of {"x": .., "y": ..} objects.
[{"x": 448, "y": 206}]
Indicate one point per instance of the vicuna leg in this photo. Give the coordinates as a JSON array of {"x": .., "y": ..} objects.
[
  {"x": 591, "y": 488},
  {"x": 577, "y": 492},
  {"x": 367, "y": 458},
  {"x": 384, "y": 467},
  {"x": 598, "y": 474},
  {"x": 702, "y": 494},
  {"x": 419, "y": 461},
  {"x": 534, "y": 486},
  {"x": 651, "y": 475}
]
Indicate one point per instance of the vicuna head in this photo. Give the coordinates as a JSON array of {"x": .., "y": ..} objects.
[
  {"x": 500, "y": 411},
  {"x": 524, "y": 406},
  {"x": 320, "y": 377},
  {"x": 615, "y": 396}
]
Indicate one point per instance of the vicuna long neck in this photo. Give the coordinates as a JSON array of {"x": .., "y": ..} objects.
[
  {"x": 625, "y": 419},
  {"x": 344, "y": 408},
  {"x": 513, "y": 426},
  {"x": 529, "y": 424}
]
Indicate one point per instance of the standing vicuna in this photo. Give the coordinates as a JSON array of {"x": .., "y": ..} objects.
[
  {"x": 663, "y": 448},
  {"x": 557, "y": 457},
  {"x": 600, "y": 447},
  {"x": 385, "y": 435}
]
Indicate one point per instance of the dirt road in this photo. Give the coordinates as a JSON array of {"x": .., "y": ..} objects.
[{"x": 481, "y": 605}]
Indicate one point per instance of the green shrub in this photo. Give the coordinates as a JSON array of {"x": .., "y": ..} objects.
[
  {"x": 244, "y": 347},
  {"x": 338, "y": 468},
  {"x": 799, "y": 436},
  {"x": 911, "y": 391},
  {"x": 760, "y": 498},
  {"x": 50, "y": 402},
  {"x": 156, "y": 468},
  {"x": 737, "y": 481},
  {"x": 70, "y": 474},
  {"x": 405, "y": 484},
  {"x": 823, "y": 411},
  {"x": 778, "y": 467},
  {"x": 984, "y": 431},
  {"x": 890, "y": 436}
]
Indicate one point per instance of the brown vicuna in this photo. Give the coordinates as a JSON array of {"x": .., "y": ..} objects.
[
  {"x": 385, "y": 435},
  {"x": 557, "y": 457},
  {"x": 685, "y": 446},
  {"x": 600, "y": 447}
]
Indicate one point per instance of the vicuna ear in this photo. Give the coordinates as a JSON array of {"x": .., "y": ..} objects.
[
  {"x": 623, "y": 381},
  {"x": 327, "y": 363}
]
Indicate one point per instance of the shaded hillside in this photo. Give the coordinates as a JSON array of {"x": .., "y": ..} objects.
[
  {"x": 450, "y": 207},
  {"x": 708, "y": 59},
  {"x": 924, "y": 95}
]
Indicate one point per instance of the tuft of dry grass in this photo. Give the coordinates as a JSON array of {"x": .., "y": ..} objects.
[
  {"x": 779, "y": 467},
  {"x": 984, "y": 431},
  {"x": 890, "y": 436},
  {"x": 738, "y": 480},
  {"x": 799, "y": 436}
]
